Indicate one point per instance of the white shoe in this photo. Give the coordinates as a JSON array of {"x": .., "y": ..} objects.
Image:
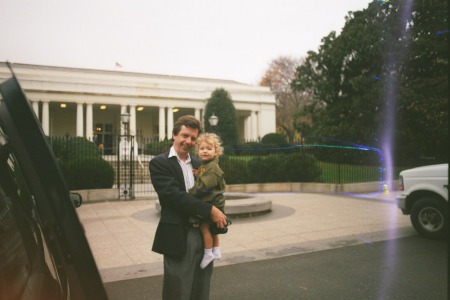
[
  {"x": 207, "y": 259},
  {"x": 217, "y": 254}
]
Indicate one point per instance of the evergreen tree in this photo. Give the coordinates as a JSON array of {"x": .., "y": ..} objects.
[{"x": 221, "y": 105}]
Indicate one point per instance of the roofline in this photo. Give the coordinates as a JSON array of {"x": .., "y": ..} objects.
[{"x": 140, "y": 74}]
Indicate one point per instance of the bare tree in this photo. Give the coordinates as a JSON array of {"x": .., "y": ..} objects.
[{"x": 278, "y": 77}]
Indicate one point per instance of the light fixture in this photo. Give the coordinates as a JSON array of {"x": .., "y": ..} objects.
[
  {"x": 102, "y": 107},
  {"x": 125, "y": 117},
  {"x": 213, "y": 120},
  {"x": 63, "y": 105},
  {"x": 140, "y": 108},
  {"x": 175, "y": 109}
]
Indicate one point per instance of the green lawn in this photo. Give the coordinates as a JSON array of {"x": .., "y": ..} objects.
[
  {"x": 339, "y": 173},
  {"x": 347, "y": 173}
]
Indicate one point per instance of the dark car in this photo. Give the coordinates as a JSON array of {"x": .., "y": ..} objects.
[{"x": 44, "y": 253}]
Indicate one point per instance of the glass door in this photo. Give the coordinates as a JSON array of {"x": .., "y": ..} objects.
[{"x": 104, "y": 138}]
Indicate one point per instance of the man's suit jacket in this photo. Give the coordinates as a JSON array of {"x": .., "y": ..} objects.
[{"x": 177, "y": 205}]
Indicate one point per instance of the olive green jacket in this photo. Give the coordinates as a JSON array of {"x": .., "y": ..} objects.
[{"x": 210, "y": 184}]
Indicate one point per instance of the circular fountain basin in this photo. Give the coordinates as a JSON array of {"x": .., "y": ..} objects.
[{"x": 242, "y": 205}]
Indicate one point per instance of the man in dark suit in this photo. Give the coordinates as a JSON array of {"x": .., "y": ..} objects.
[{"x": 178, "y": 236}]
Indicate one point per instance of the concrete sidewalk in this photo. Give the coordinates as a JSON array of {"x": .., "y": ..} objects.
[{"x": 121, "y": 233}]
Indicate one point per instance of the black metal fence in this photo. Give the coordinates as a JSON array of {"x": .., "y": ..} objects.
[{"x": 311, "y": 161}]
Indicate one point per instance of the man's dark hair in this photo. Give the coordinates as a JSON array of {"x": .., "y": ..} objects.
[{"x": 188, "y": 121}]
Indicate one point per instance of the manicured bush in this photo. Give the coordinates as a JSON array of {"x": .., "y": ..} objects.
[
  {"x": 89, "y": 173},
  {"x": 274, "y": 139},
  {"x": 295, "y": 167},
  {"x": 157, "y": 147},
  {"x": 250, "y": 148},
  {"x": 302, "y": 167},
  {"x": 235, "y": 169},
  {"x": 81, "y": 163},
  {"x": 267, "y": 168},
  {"x": 67, "y": 149},
  {"x": 346, "y": 154}
]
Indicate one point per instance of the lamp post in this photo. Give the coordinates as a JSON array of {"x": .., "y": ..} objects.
[
  {"x": 127, "y": 149},
  {"x": 213, "y": 121},
  {"x": 125, "y": 118}
]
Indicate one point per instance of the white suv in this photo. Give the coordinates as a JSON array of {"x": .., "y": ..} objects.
[{"x": 425, "y": 198}]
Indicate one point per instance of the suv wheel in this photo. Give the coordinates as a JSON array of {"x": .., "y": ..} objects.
[{"x": 429, "y": 218}]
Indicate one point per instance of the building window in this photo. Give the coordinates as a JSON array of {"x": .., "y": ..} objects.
[{"x": 104, "y": 138}]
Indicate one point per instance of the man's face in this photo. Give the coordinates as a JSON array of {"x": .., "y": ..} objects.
[{"x": 184, "y": 141}]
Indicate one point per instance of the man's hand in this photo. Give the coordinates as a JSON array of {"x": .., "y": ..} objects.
[{"x": 218, "y": 217}]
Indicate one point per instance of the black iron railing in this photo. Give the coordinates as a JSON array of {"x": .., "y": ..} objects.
[{"x": 311, "y": 161}]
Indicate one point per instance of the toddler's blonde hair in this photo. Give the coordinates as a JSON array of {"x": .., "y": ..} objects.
[{"x": 211, "y": 139}]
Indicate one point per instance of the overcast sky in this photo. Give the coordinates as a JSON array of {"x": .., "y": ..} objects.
[{"x": 223, "y": 39}]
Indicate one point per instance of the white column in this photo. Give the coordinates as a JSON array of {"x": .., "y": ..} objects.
[
  {"x": 258, "y": 125},
  {"x": 266, "y": 117},
  {"x": 169, "y": 122},
  {"x": 197, "y": 113},
  {"x": 132, "y": 120},
  {"x": 248, "y": 129},
  {"x": 254, "y": 125},
  {"x": 80, "y": 120},
  {"x": 133, "y": 129},
  {"x": 89, "y": 122},
  {"x": 162, "y": 123},
  {"x": 123, "y": 109},
  {"x": 45, "y": 118},
  {"x": 36, "y": 108}
]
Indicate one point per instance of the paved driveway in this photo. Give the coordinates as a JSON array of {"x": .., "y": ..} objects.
[{"x": 121, "y": 233}]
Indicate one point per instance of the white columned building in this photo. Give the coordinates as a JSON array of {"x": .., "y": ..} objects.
[
  {"x": 123, "y": 110},
  {"x": 169, "y": 122},
  {"x": 132, "y": 120},
  {"x": 254, "y": 127},
  {"x": 45, "y": 118},
  {"x": 80, "y": 119},
  {"x": 197, "y": 114},
  {"x": 88, "y": 103},
  {"x": 162, "y": 123},
  {"x": 36, "y": 108},
  {"x": 89, "y": 122}
]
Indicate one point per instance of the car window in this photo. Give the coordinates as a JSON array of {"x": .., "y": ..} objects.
[
  {"x": 25, "y": 263},
  {"x": 44, "y": 252}
]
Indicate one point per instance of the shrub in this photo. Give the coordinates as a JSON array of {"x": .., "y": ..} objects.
[
  {"x": 235, "y": 169},
  {"x": 156, "y": 147},
  {"x": 250, "y": 148},
  {"x": 346, "y": 155},
  {"x": 302, "y": 168},
  {"x": 267, "y": 168},
  {"x": 89, "y": 173},
  {"x": 274, "y": 139},
  {"x": 67, "y": 149},
  {"x": 81, "y": 163},
  {"x": 296, "y": 167}
]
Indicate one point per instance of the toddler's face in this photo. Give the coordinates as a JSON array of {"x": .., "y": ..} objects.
[{"x": 206, "y": 151}]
